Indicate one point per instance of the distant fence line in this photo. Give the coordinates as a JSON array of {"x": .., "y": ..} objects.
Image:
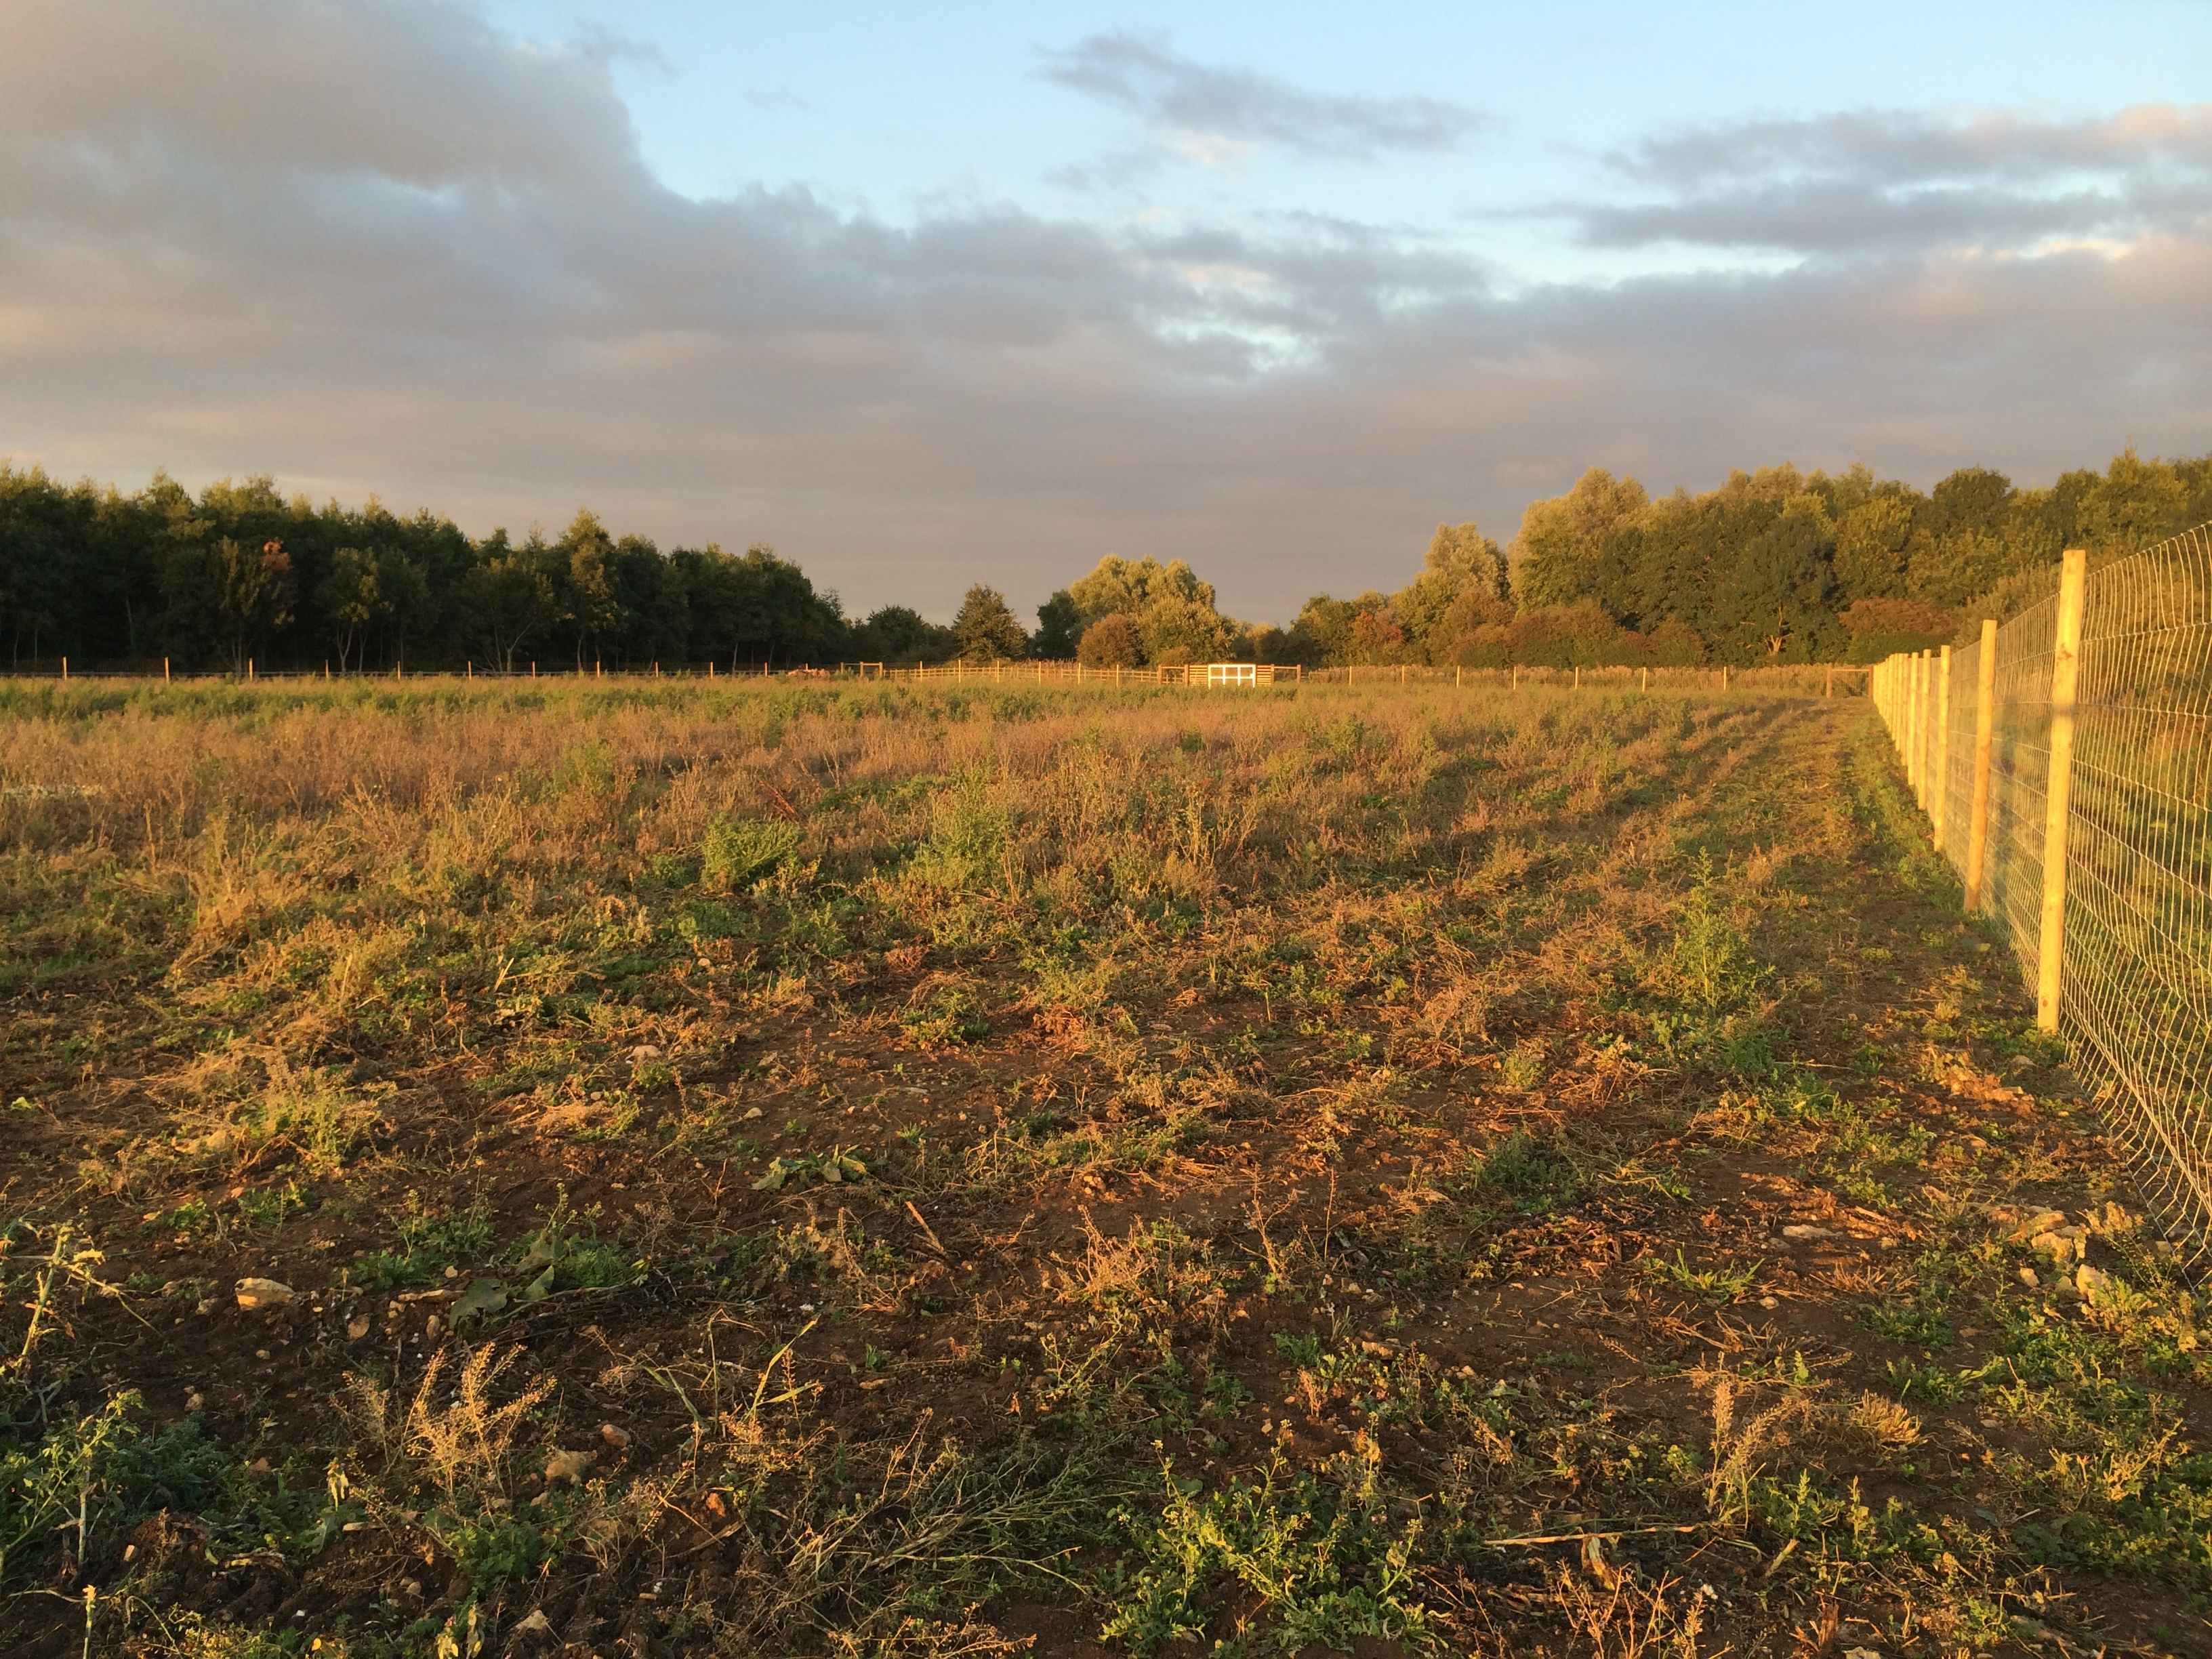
[
  {"x": 1820, "y": 679},
  {"x": 2065, "y": 763}
]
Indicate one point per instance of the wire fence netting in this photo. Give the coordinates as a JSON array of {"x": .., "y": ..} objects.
[{"x": 2135, "y": 980}]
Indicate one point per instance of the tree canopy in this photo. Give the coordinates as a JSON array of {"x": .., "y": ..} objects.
[{"x": 1774, "y": 565}]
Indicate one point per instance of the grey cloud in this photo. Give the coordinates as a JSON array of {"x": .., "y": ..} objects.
[
  {"x": 1909, "y": 147},
  {"x": 1151, "y": 80},
  {"x": 465, "y": 290},
  {"x": 1870, "y": 181}
]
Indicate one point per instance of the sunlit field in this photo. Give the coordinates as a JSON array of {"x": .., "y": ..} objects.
[{"x": 871, "y": 1170}]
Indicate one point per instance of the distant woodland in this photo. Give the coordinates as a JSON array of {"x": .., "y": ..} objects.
[{"x": 1773, "y": 566}]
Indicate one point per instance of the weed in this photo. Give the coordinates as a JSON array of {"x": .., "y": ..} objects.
[{"x": 736, "y": 852}]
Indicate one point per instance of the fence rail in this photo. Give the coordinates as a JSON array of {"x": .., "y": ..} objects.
[
  {"x": 1809, "y": 679},
  {"x": 2065, "y": 761}
]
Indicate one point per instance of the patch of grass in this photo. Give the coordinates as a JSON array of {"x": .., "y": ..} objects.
[
  {"x": 736, "y": 852},
  {"x": 1295, "y": 1556}
]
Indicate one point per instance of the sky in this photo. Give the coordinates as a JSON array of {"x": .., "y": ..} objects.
[{"x": 928, "y": 296}]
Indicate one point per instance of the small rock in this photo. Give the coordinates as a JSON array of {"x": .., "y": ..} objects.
[
  {"x": 2028, "y": 1277},
  {"x": 566, "y": 1464},
  {"x": 1770, "y": 1303},
  {"x": 1806, "y": 1229},
  {"x": 195, "y": 1401},
  {"x": 2114, "y": 1220},
  {"x": 2061, "y": 1244},
  {"x": 751, "y": 1113},
  {"x": 615, "y": 1436},
  {"x": 2025, "y": 1228},
  {"x": 2094, "y": 1284},
  {"x": 1862, "y": 1653},
  {"x": 205, "y": 1305},
  {"x": 258, "y": 1295},
  {"x": 534, "y": 1623},
  {"x": 645, "y": 1051},
  {"x": 357, "y": 1328}
]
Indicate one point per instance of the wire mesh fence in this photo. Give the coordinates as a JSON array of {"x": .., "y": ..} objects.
[{"x": 2125, "y": 913}]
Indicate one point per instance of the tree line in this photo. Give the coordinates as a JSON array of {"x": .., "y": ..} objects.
[{"x": 1772, "y": 566}]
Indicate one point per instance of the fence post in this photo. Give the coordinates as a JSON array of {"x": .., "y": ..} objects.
[
  {"x": 2058, "y": 797},
  {"x": 1579, "y": 677},
  {"x": 165, "y": 670},
  {"x": 1938, "y": 804},
  {"x": 1912, "y": 726},
  {"x": 1517, "y": 677},
  {"x": 1920, "y": 729},
  {"x": 249, "y": 668},
  {"x": 1647, "y": 680},
  {"x": 1978, "y": 824},
  {"x": 64, "y": 671}
]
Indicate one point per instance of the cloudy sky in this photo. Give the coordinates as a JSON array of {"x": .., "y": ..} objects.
[{"x": 926, "y": 294}]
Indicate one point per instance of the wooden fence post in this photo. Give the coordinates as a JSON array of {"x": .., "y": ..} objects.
[
  {"x": 1647, "y": 680},
  {"x": 1939, "y": 804},
  {"x": 165, "y": 670},
  {"x": 64, "y": 671},
  {"x": 1579, "y": 677},
  {"x": 1977, "y": 823},
  {"x": 1912, "y": 722},
  {"x": 249, "y": 668},
  {"x": 2058, "y": 796},
  {"x": 1914, "y": 727}
]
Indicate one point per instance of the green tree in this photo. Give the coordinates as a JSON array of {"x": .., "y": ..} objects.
[
  {"x": 240, "y": 593},
  {"x": 509, "y": 597},
  {"x": 1112, "y": 641},
  {"x": 1059, "y": 625},
  {"x": 352, "y": 598},
  {"x": 1973, "y": 498},
  {"x": 1870, "y": 544},
  {"x": 986, "y": 628},
  {"x": 1556, "y": 555},
  {"x": 2135, "y": 503},
  {"x": 1775, "y": 606},
  {"x": 902, "y": 638},
  {"x": 1463, "y": 577}
]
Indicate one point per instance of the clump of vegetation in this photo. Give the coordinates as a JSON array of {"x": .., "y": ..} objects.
[{"x": 738, "y": 852}]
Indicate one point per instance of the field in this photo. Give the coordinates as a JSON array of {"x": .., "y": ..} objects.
[{"x": 883, "y": 1170}]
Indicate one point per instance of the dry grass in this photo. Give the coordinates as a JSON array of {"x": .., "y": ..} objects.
[{"x": 871, "y": 1170}]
